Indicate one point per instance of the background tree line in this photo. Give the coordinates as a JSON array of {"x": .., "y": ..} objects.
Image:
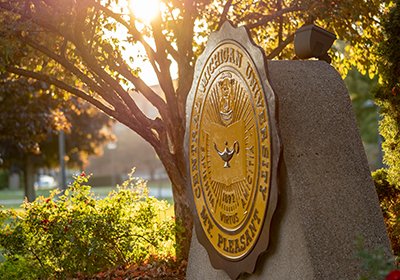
[{"x": 32, "y": 117}]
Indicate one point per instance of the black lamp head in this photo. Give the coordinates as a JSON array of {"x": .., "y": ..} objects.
[{"x": 313, "y": 41}]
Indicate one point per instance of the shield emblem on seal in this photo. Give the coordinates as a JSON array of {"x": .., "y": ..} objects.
[{"x": 232, "y": 149}]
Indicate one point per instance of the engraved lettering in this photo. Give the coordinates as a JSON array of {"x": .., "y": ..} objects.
[
  {"x": 261, "y": 117},
  {"x": 230, "y": 249},
  {"x": 221, "y": 240},
  {"x": 206, "y": 220},
  {"x": 265, "y": 151},
  {"x": 263, "y": 190},
  {"x": 264, "y": 134},
  {"x": 229, "y": 219},
  {"x": 256, "y": 217},
  {"x": 196, "y": 185},
  {"x": 249, "y": 179},
  {"x": 239, "y": 57},
  {"x": 258, "y": 96},
  {"x": 249, "y": 239}
]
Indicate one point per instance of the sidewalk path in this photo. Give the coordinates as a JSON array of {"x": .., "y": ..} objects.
[{"x": 11, "y": 201}]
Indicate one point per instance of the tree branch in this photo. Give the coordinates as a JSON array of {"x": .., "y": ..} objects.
[
  {"x": 96, "y": 68},
  {"x": 120, "y": 66},
  {"x": 164, "y": 76},
  {"x": 283, "y": 45},
  {"x": 132, "y": 30},
  {"x": 124, "y": 118},
  {"x": 147, "y": 92},
  {"x": 280, "y": 31},
  {"x": 184, "y": 42},
  {"x": 224, "y": 14},
  {"x": 136, "y": 120},
  {"x": 77, "y": 38},
  {"x": 271, "y": 17},
  {"x": 101, "y": 88},
  {"x": 64, "y": 86}
]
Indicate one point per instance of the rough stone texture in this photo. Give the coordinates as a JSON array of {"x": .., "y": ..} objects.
[{"x": 327, "y": 199}]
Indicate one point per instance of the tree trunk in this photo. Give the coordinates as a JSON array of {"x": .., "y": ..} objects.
[
  {"x": 29, "y": 176},
  {"x": 184, "y": 217},
  {"x": 183, "y": 214}
]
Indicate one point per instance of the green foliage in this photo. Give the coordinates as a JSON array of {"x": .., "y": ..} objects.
[
  {"x": 361, "y": 93},
  {"x": 28, "y": 116},
  {"x": 353, "y": 22},
  {"x": 375, "y": 264},
  {"x": 361, "y": 88},
  {"x": 388, "y": 94},
  {"x": 31, "y": 117},
  {"x": 387, "y": 180},
  {"x": 18, "y": 267},
  {"x": 64, "y": 235},
  {"x": 389, "y": 198},
  {"x": 3, "y": 179}
]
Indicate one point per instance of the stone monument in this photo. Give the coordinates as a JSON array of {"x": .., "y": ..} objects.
[{"x": 269, "y": 204}]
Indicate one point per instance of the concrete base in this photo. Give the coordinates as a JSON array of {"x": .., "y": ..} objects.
[{"x": 327, "y": 198}]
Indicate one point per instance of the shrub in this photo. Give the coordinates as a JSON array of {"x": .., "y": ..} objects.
[
  {"x": 387, "y": 96},
  {"x": 389, "y": 199},
  {"x": 76, "y": 234},
  {"x": 375, "y": 264}
]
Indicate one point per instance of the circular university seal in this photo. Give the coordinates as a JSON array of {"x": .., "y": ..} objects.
[{"x": 232, "y": 150}]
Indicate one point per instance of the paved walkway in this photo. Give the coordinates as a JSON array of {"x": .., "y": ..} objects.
[{"x": 11, "y": 201}]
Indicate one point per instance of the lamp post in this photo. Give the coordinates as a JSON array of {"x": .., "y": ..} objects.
[
  {"x": 313, "y": 41},
  {"x": 61, "y": 153},
  {"x": 111, "y": 147}
]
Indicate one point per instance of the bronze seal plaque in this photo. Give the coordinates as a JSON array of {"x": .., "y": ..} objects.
[{"x": 232, "y": 150}]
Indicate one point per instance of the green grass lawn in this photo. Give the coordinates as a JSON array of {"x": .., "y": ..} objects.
[
  {"x": 19, "y": 194},
  {"x": 14, "y": 198}
]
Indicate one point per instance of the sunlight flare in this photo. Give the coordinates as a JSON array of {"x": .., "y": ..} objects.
[{"x": 145, "y": 10}]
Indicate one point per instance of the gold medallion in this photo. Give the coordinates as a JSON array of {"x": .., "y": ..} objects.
[{"x": 229, "y": 152}]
